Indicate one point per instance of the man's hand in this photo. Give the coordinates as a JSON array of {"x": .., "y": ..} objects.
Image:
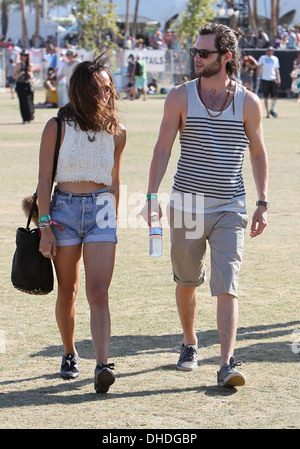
[
  {"x": 151, "y": 207},
  {"x": 259, "y": 221}
]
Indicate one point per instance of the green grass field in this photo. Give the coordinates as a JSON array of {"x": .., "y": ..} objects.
[{"x": 149, "y": 392}]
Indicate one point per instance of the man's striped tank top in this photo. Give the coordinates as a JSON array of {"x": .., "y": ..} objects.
[{"x": 212, "y": 153}]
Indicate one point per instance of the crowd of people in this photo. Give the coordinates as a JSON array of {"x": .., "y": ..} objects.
[
  {"x": 58, "y": 64},
  {"x": 286, "y": 38}
]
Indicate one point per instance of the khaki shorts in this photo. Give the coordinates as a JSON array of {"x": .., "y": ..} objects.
[{"x": 225, "y": 233}]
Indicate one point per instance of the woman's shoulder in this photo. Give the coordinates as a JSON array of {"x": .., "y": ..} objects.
[{"x": 120, "y": 138}]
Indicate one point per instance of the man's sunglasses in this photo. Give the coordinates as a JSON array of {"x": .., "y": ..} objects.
[{"x": 203, "y": 54}]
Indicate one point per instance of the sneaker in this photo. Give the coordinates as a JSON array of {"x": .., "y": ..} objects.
[
  {"x": 228, "y": 376},
  {"x": 104, "y": 377},
  {"x": 69, "y": 366},
  {"x": 188, "y": 358},
  {"x": 273, "y": 113}
]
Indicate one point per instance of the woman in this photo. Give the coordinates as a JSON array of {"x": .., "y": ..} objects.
[
  {"x": 246, "y": 73},
  {"x": 82, "y": 214},
  {"x": 51, "y": 100},
  {"x": 23, "y": 75}
]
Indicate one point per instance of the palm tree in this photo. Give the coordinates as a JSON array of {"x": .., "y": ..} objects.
[
  {"x": 252, "y": 17},
  {"x": 24, "y": 25},
  {"x": 127, "y": 24},
  {"x": 37, "y": 20},
  {"x": 135, "y": 17}
]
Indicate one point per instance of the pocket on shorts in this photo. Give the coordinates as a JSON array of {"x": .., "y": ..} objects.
[
  {"x": 244, "y": 220},
  {"x": 58, "y": 202}
]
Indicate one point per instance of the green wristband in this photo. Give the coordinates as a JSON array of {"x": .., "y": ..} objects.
[
  {"x": 151, "y": 196},
  {"x": 44, "y": 218}
]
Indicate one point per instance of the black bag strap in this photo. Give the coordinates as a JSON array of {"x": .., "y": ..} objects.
[
  {"x": 57, "y": 146},
  {"x": 56, "y": 151}
]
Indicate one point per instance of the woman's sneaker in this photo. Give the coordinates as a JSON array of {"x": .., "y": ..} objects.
[
  {"x": 188, "y": 358},
  {"x": 228, "y": 376},
  {"x": 104, "y": 377},
  {"x": 69, "y": 366}
]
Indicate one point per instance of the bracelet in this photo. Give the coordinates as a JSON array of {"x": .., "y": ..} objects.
[
  {"x": 44, "y": 218},
  {"x": 46, "y": 224},
  {"x": 151, "y": 196}
]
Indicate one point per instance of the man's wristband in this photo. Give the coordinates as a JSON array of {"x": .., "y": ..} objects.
[
  {"x": 151, "y": 196},
  {"x": 263, "y": 203}
]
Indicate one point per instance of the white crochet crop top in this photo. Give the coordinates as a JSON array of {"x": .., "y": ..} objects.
[{"x": 82, "y": 160}]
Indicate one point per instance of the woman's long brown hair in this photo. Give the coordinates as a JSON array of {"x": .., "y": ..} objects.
[{"x": 86, "y": 107}]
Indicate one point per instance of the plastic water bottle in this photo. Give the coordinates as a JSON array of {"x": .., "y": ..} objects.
[{"x": 155, "y": 237}]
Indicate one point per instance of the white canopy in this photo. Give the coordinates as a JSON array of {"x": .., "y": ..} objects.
[
  {"x": 47, "y": 27},
  {"x": 163, "y": 10}
]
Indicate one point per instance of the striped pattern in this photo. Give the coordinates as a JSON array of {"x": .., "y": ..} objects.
[{"x": 211, "y": 160}]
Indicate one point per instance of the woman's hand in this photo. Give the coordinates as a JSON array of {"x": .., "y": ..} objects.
[{"x": 48, "y": 244}]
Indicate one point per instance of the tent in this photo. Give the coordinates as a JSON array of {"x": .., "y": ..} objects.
[
  {"x": 163, "y": 10},
  {"x": 154, "y": 10},
  {"x": 47, "y": 27}
]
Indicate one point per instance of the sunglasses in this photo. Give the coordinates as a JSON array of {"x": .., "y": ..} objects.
[
  {"x": 203, "y": 54},
  {"x": 108, "y": 90}
]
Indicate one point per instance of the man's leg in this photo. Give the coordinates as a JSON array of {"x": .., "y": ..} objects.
[
  {"x": 267, "y": 105},
  {"x": 227, "y": 319},
  {"x": 186, "y": 304}
]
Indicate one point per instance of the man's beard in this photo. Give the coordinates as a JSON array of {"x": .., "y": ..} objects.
[{"x": 213, "y": 69}]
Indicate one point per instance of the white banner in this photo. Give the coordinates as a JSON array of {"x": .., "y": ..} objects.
[{"x": 155, "y": 59}]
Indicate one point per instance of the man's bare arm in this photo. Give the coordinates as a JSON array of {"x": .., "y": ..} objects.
[{"x": 258, "y": 158}]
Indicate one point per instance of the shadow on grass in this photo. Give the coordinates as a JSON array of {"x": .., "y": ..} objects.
[{"x": 134, "y": 345}]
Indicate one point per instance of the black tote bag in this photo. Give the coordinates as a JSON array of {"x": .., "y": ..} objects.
[{"x": 32, "y": 272}]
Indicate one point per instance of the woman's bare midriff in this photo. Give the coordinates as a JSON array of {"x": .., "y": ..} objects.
[{"x": 80, "y": 187}]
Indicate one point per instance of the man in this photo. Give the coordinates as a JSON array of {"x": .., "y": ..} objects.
[
  {"x": 217, "y": 119},
  {"x": 269, "y": 74},
  {"x": 66, "y": 69},
  {"x": 139, "y": 76}
]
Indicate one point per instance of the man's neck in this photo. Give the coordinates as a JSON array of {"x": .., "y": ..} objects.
[{"x": 215, "y": 84}]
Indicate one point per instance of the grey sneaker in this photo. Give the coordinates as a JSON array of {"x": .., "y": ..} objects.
[
  {"x": 228, "y": 376},
  {"x": 188, "y": 358},
  {"x": 69, "y": 366},
  {"x": 104, "y": 377}
]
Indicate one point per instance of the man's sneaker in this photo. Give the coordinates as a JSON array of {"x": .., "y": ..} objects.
[
  {"x": 104, "y": 377},
  {"x": 228, "y": 376},
  {"x": 273, "y": 113},
  {"x": 69, "y": 366},
  {"x": 188, "y": 358}
]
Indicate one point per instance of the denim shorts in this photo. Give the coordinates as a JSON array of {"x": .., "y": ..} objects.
[{"x": 86, "y": 217}]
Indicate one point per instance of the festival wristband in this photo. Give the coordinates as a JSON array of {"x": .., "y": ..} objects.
[
  {"x": 151, "y": 196},
  {"x": 44, "y": 218}
]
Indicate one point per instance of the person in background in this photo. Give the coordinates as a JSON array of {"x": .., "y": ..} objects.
[
  {"x": 23, "y": 76},
  {"x": 10, "y": 68},
  {"x": 246, "y": 73},
  {"x": 80, "y": 220},
  {"x": 295, "y": 75},
  {"x": 51, "y": 100},
  {"x": 268, "y": 73},
  {"x": 139, "y": 75},
  {"x": 66, "y": 69},
  {"x": 130, "y": 83}
]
